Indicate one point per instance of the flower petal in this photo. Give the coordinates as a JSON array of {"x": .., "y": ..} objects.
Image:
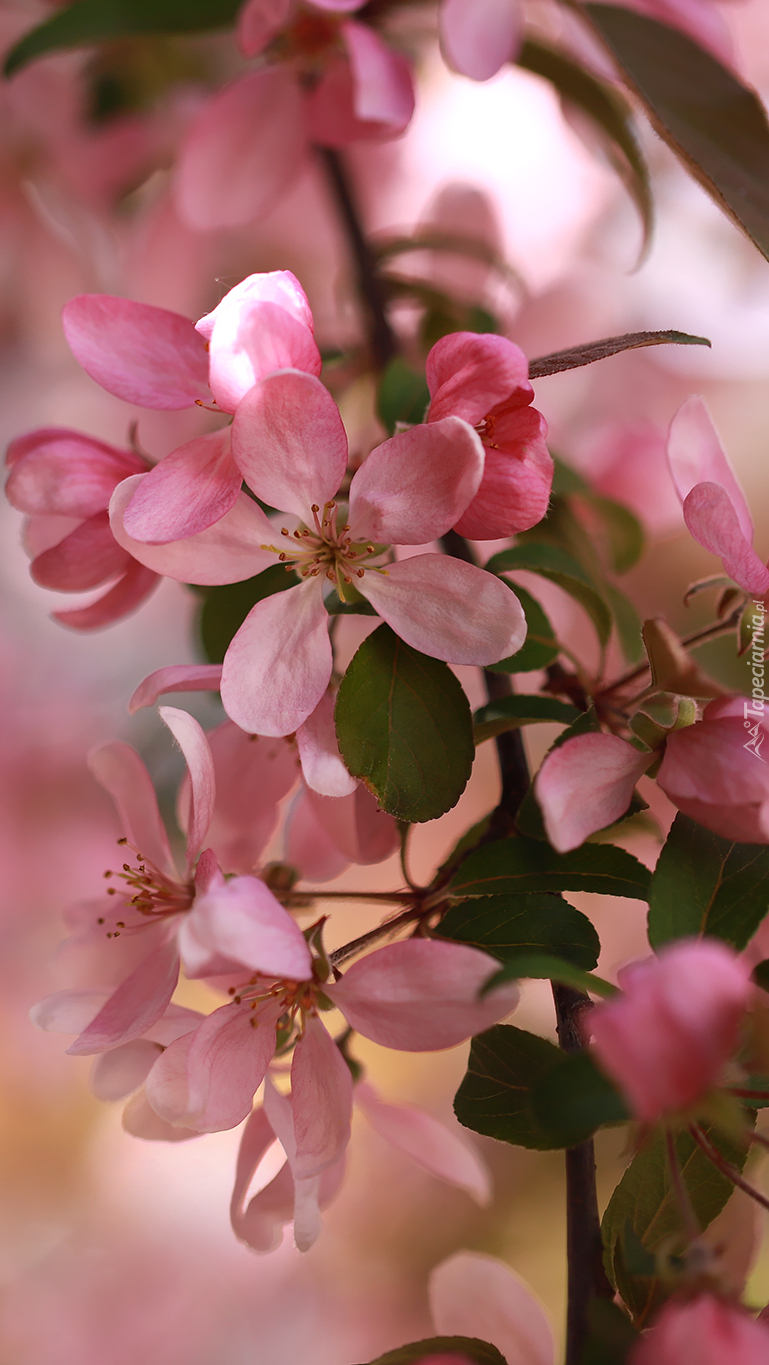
[
  {"x": 322, "y": 766},
  {"x": 448, "y": 609},
  {"x": 479, "y": 36},
  {"x": 383, "y": 90},
  {"x": 116, "y": 1074},
  {"x": 321, "y": 1099},
  {"x": 260, "y": 1224},
  {"x": 421, "y": 995},
  {"x": 143, "y": 354},
  {"x": 696, "y": 455},
  {"x": 279, "y": 663},
  {"x": 136, "y": 1005},
  {"x": 227, "y": 552},
  {"x": 712, "y": 518},
  {"x": 517, "y": 479},
  {"x": 243, "y": 151},
  {"x": 84, "y": 559},
  {"x": 356, "y": 825},
  {"x": 189, "y": 490},
  {"x": 266, "y": 337},
  {"x": 469, "y": 373},
  {"x": 413, "y": 488},
  {"x": 290, "y": 443},
  {"x": 65, "y": 473},
  {"x": 428, "y": 1142},
  {"x": 244, "y": 921},
  {"x": 307, "y": 844},
  {"x": 120, "y": 771},
  {"x": 585, "y": 785},
  {"x": 127, "y": 594},
  {"x": 140, "y": 1120},
  {"x": 175, "y": 678},
  {"x": 476, "y": 1295},
  {"x": 192, "y": 741},
  {"x": 67, "y": 1011},
  {"x": 259, "y": 21}
]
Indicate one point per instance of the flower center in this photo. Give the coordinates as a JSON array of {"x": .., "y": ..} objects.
[
  {"x": 154, "y": 897},
  {"x": 326, "y": 548},
  {"x": 310, "y": 40},
  {"x": 298, "y": 999}
]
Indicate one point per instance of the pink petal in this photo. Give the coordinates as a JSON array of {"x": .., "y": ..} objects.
[
  {"x": 290, "y": 443},
  {"x": 279, "y": 663},
  {"x": 67, "y": 1011},
  {"x": 448, "y": 609},
  {"x": 712, "y": 519},
  {"x": 259, "y": 21},
  {"x": 310, "y": 1194},
  {"x": 253, "y": 773},
  {"x": 243, "y": 921},
  {"x": 189, "y": 490},
  {"x": 585, "y": 785},
  {"x": 479, "y": 36},
  {"x": 517, "y": 479},
  {"x": 175, "y": 678},
  {"x": 192, "y": 741},
  {"x": 422, "y": 995},
  {"x": 478, "y": 1296},
  {"x": 260, "y": 1224},
  {"x": 428, "y": 1142},
  {"x": 383, "y": 91},
  {"x": 331, "y": 110},
  {"x": 469, "y": 373},
  {"x": 243, "y": 151},
  {"x": 226, "y": 1064},
  {"x": 280, "y": 287},
  {"x": 696, "y": 455},
  {"x": 136, "y": 1005},
  {"x": 322, "y": 766},
  {"x": 140, "y": 1120},
  {"x": 65, "y": 473},
  {"x": 142, "y": 354},
  {"x": 264, "y": 338},
  {"x": 118, "y": 1073},
  {"x": 87, "y": 557},
  {"x": 356, "y": 825},
  {"x": 308, "y": 847},
  {"x": 227, "y": 552},
  {"x": 413, "y": 488},
  {"x": 120, "y": 771},
  {"x": 321, "y": 1098},
  {"x": 127, "y": 594}
]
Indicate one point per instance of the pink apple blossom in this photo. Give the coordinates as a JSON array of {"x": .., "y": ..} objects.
[
  {"x": 63, "y": 481},
  {"x": 586, "y": 784},
  {"x": 715, "y": 772},
  {"x": 702, "y": 1330},
  {"x": 715, "y": 509},
  {"x": 291, "y": 448},
  {"x": 159, "y": 359},
  {"x": 473, "y": 1295},
  {"x": 323, "y": 79},
  {"x": 485, "y": 380},
  {"x": 667, "y": 1038}
]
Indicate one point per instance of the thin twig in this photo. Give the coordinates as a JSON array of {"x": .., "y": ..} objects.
[
  {"x": 381, "y": 931},
  {"x": 725, "y": 1167},
  {"x": 699, "y": 637}
]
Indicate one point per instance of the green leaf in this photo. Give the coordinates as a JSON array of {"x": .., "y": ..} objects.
[
  {"x": 402, "y": 396},
  {"x": 566, "y": 480},
  {"x": 610, "y": 1335},
  {"x": 464, "y": 1348},
  {"x": 95, "y": 21},
  {"x": 504, "y": 1066},
  {"x": 404, "y": 727},
  {"x": 226, "y": 607},
  {"x": 712, "y": 122},
  {"x": 543, "y": 967},
  {"x": 624, "y": 531},
  {"x": 577, "y": 356},
  {"x": 704, "y": 884},
  {"x": 607, "y": 110},
  {"x": 575, "y": 1099},
  {"x": 558, "y": 567},
  {"x": 507, "y": 926},
  {"x": 628, "y": 623},
  {"x": 539, "y": 648},
  {"x": 515, "y": 866},
  {"x": 644, "y": 1199},
  {"x": 509, "y": 713},
  {"x": 758, "y": 1085}
]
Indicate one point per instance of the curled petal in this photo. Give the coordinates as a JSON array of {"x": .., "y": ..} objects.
[
  {"x": 469, "y": 373},
  {"x": 321, "y": 1099},
  {"x": 279, "y": 663},
  {"x": 189, "y": 490},
  {"x": 118, "y": 1073},
  {"x": 428, "y": 1142},
  {"x": 383, "y": 91},
  {"x": 136, "y": 1005},
  {"x": 140, "y": 1120},
  {"x": 279, "y": 287},
  {"x": 226, "y": 552},
  {"x": 517, "y": 479},
  {"x": 253, "y": 773},
  {"x": 308, "y": 847},
  {"x": 127, "y": 594},
  {"x": 243, "y": 921},
  {"x": 259, "y": 21},
  {"x": 67, "y": 1011},
  {"x": 207, "y": 1080},
  {"x": 448, "y": 609},
  {"x": 261, "y": 1222},
  {"x": 175, "y": 678},
  {"x": 85, "y": 558},
  {"x": 143, "y": 354},
  {"x": 585, "y": 785},
  {"x": 322, "y": 766},
  {"x": 712, "y": 519},
  {"x": 121, "y": 772},
  {"x": 413, "y": 488},
  {"x": 64, "y": 473},
  {"x": 479, "y": 36},
  {"x": 192, "y": 741},
  {"x": 696, "y": 455},
  {"x": 290, "y": 443},
  {"x": 356, "y": 825},
  {"x": 475, "y": 1295},
  {"x": 422, "y": 995},
  {"x": 266, "y": 337}
]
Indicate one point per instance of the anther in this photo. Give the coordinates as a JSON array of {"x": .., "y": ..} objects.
[
  {"x": 361, "y": 573},
  {"x": 100, "y": 920},
  {"x": 111, "y": 890},
  {"x": 108, "y": 874},
  {"x": 315, "y": 507},
  {"x": 121, "y": 924},
  {"x": 122, "y": 841}
]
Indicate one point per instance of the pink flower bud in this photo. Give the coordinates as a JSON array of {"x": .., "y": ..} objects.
[{"x": 703, "y": 1331}]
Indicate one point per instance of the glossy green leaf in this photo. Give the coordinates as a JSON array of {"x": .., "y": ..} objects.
[
  {"x": 464, "y": 1348},
  {"x": 645, "y": 1199},
  {"x": 507, "y": 926},
  {"x": 627, "y": 622},
  {"x": 94, "y": 21},
  {"x": 715, "y": 125},
  {"x": 515, "y": 866},
  {"x": 704, "y": 884},
  {"x": 544, "y": 967},
  {"x": 624, "y": 533},
  {"x": 559, "y": 567},
  {"x": 608, "y": 111},
  {"x": 402, "y": 395},
  {"x": 404, "y": 727},
  {"x": 495, "y": 1097},
  {"x": 575, "y": 1099},
  {"x": 539, "y": 648},
  {"x": 577, "y": 356},
  {"x": 226, "y": 607},
  {"x": 510, "y": 713}
]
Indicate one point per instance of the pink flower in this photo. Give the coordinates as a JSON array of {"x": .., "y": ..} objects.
[
  {"x": 485, "y": 380},
  {"x": 64, "y": 481},
  {"x": 158, "y": 359},
  {"x": 585, "y": 785},
  {"x": 164, "y": 912},
  {"x": 704, "y": 1330},
  {"x": 715, "y": 509},
  {"x": 667, "y": 1038},
  {"x": 472, "y": 1295},
  {"x": 291, "y": 448},
  {"x": 325, "y": 79},
  {"x": 715, "y": 772}
]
